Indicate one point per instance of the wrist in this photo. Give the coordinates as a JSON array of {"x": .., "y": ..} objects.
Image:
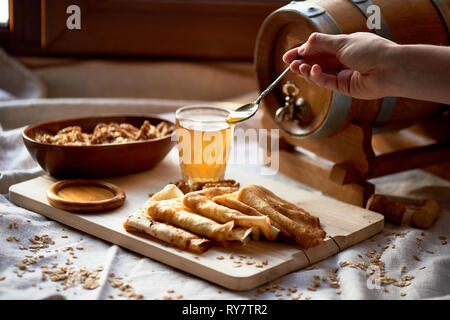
[{"x": 394, "y": 71}]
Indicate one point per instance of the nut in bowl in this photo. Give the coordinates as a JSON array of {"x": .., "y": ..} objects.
[{"x": 99, "y": 146}]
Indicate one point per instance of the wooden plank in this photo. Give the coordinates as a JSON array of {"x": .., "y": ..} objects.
[
  {"x": 408, "y": 159},
  {"x": 345, "y": 224},
  {"x": 352, "y": 144},
  {"x": 224, "y": 29},
  {"x": 425, "y": 134},
  {"x": 315, "y": 173}
]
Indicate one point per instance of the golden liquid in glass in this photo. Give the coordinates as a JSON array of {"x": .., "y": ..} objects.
[{"x": 203, "y": 149}]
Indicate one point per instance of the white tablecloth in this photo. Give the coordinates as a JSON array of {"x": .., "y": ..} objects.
[{"x": 155, "y": 280}]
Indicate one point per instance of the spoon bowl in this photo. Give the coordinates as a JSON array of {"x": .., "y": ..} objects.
[
  {"x": 248, "y": 110},
  {"x": 242, "y": 113}
]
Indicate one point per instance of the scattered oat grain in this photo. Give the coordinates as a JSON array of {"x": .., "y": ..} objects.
[
  {"x": 403, "y": 268},
  {"x": 407, "y": 278},
  {"x": 21, "y": 266},
  {"x": 334, "y": 284}
]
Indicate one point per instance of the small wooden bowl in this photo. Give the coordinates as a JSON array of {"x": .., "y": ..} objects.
[
  {"x": 96, "y": 161},
  {"x": 85, "y": 195}
]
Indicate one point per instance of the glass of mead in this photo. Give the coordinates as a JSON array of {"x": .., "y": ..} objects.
[{"x": 204, "y": 141}]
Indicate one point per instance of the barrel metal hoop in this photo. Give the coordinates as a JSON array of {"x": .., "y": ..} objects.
[
  {"x": 316, "y": 14},
  {"x": 340, "y": 107},
  {"x": 444, "y": 12},
  {"x": 340, "y": 103},
  {"x": 387, "y": 107},
  {"x": 388, "y": 103},
  {"x": 384, "y": 31}
]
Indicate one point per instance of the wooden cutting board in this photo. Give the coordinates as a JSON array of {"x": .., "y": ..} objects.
[{"x": 345, "y": 224}]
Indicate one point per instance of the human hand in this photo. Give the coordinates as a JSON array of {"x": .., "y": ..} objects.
[{"x": 355, "y": 64}]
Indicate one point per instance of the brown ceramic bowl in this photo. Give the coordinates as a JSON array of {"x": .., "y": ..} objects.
[{"x": 96, "y": 161}]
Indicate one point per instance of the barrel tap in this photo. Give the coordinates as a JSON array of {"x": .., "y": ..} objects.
[{"x": 293, "y": 108}]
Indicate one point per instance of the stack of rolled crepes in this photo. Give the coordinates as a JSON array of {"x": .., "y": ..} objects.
[{"x": 196, "y": 220}]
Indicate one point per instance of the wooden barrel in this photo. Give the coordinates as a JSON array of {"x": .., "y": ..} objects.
[{"x": 402, "y": 21}]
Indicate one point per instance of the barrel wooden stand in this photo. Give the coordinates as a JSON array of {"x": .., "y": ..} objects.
[{"x": 343, "y": 163}]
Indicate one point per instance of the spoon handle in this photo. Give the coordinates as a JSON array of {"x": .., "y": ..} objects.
[{"x": 269, "y": 88}]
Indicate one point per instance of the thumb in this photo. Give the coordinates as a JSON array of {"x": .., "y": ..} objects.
[{"x": 324, "y": 43}]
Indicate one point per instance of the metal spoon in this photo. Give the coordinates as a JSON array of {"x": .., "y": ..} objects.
[{"x": 248, "y": 110}]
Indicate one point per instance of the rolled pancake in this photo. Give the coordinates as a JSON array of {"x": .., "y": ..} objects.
[
  {"x": 289, "y": 209},
  {"x": 240, "y": 234},
  {"x": 215, "y": 191},
  {"x": 306, "y": 230},
  {"x": 175, "y": 213},
  {"x": 172, "y": 235},
  {"x": 199, "y": 202},
  {"x": 170, "y": 191},
  {"x": 229, "y": 201}
]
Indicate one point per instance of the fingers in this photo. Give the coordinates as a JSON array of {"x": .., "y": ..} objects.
[
  {"x": 293, "y": 54},
  {"x": 288, "y": 57},
  {"x": 324, "y": 43},
  {"x": 317, "y": 43},
  {"x": 336, "y": 82},
  {"x": 313, "y": 74},
  {"x": 320, "y": 62},
  {"x": 322, "y": 79},
  {"x": 319, "y": 49},
  {"x": 327, "y": 62}
]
